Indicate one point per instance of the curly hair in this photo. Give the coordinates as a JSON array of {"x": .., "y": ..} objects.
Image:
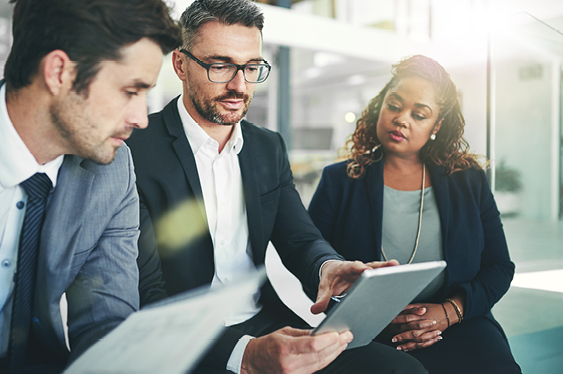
[{"x": 449, "y": 149}]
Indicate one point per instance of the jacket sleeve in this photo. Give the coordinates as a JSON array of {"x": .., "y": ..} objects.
[
  {"x": 297, "y": 240},
  {"x": 151, "y": 280},
  {"x": 105, "y": 291},
  {"x": 496, "y": 270},
  {"x": 322, "y": 208}
]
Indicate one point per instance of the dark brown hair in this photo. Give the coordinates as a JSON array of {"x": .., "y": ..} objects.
[
  {"x": 88, "y": 31},
  {"x": 449, "y": 149}
]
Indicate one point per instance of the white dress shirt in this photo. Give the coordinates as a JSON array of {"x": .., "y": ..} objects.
[
  {"x": 16, "y": 165},
  {"x": 223, "y": 196}
]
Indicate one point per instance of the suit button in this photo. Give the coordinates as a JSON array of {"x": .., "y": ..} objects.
[
  {"x": 6, "y": 264},
  {"x": 20, "y": 205}
]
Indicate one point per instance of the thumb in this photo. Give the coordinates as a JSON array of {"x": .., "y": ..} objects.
[
  {"x": 323, "y": 299},
  {"x": 290, "y": 331}
]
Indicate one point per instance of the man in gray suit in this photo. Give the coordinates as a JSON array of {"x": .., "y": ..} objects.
[{"x": 75, "y": 86}]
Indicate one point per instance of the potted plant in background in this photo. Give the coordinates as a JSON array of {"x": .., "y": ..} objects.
[{"x": 508, "y": 186}]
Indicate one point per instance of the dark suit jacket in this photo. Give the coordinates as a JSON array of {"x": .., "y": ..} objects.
[
  {"x": 172, "y": 203},
  {"x": 349, "y": 214}
]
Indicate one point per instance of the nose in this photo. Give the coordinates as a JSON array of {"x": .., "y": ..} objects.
[
  {"x": 401, "y": 119},
  {"x": 138, "y": 116},
  {"x": 238, "y": 84}
]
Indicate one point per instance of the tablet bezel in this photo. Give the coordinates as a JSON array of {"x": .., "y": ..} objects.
[{"x": 377, "y": 297}]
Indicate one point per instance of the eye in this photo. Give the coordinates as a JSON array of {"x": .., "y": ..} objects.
[
  {"x": 393, "y": 107},
  {"x": 418, "y": 117},
  {"x": 251, "y": 68},
  {"x": 131, "y": 93},
  {"x": 219, "y": 68}
]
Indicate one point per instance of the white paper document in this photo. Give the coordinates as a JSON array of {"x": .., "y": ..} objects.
[{"x": 170, "y": 337}]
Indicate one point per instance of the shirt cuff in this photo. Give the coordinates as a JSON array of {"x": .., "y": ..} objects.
[
  {"x": 322, "y": 266},
  {"x": 235, "y": 360}
]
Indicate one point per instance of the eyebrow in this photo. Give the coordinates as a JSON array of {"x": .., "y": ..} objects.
[
  {"x": 418, "y": 105},
  {"x": 230, "y": 60},
  {"x": 139, "y": 84}
]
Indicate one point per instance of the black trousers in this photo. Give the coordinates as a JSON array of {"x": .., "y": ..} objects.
[
  {"x": 475, "y": 346},
  {"x": 374, "y": 358}
]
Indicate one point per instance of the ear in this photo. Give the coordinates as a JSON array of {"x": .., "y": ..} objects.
[
  {"x": 179, "y": 66},
  {"x": 437, "y": 126},
  {"x": 58, "y": 71}
]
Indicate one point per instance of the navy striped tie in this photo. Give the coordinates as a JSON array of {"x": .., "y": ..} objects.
[{"x": 37, "y": 188}]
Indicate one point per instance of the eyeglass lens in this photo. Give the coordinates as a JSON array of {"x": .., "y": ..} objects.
[{"x": 253, "y": 73}]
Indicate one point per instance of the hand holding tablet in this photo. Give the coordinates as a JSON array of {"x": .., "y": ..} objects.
[{"x": 376, "y": 298}]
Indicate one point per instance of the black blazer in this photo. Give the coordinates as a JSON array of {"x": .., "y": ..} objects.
[
  {"x": 349, "y": 214},
  {"x": 172, "y": 203}
]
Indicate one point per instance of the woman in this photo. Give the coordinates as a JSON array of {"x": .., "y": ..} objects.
[{"x": 410, "y": 190}]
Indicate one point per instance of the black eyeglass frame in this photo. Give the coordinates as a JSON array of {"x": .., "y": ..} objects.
[{"x": 239, "y": 67}]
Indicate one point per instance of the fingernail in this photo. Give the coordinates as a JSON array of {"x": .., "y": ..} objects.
[
  {"x": 439, "y": 332},
  {"x": 434, "y": 322},
  {"x": 394, "y": 340},
  {"x": 399, "y": 348},
  {"x": 440, "y": 338}
]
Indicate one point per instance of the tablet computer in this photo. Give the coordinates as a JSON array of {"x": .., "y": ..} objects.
[{"x": 377, "y": 297}]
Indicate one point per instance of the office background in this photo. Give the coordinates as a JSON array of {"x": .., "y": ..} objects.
[{"x": 330, "y": 57}]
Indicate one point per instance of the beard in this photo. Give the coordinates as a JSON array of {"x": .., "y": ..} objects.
[
  {"x": 81, "y": 134},
  {"x": 210, "y": 111}
]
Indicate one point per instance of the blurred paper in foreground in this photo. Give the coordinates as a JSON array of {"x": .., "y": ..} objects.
[{"x": 168, "y": 337}]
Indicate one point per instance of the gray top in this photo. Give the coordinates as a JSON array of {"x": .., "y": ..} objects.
[{"x": 400, "y": 224}]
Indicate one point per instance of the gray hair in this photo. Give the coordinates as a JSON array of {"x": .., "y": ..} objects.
[{"x": 228, "y": 12}]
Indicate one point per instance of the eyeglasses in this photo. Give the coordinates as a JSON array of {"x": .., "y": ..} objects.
[{"x": 224, "y": 72}]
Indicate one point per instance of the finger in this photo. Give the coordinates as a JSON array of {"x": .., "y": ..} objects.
[
  {"x": 418, "y": 310},
  {"x": 290, "y": 331},
  {"x": 323, "y": 359},
  {"x": 339, "y": 269},
  {"x": 431, "y": 342},
  {"x": 321, "y": 304},
  {"x": 408, "y": 318},
  {"x": 415, "y": 309},
  {"x": 423, "y": 337},
  {"x": 305, "y": 349},
  {"x": 418, "y": 345},
  {"x": 322, "y": 352},
  {"x": 409, "y": 335},
  {"x": 430, "y": 335},
  {"x": 352, "y": 269},
  {"x": 382, "y": 264}
]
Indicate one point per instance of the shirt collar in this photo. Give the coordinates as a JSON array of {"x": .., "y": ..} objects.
[
  {"x": 197, "y": 137},
  {"x": 16, "y": 161}
]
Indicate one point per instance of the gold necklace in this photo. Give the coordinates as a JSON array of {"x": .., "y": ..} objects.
[{"x": 419, "y": 219}]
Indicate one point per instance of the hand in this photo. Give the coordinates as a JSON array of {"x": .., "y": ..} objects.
[
  {"x": 290, "y": 350},
  {"x": 418, "y": 326},
  {"x": 338, "y": 276}
]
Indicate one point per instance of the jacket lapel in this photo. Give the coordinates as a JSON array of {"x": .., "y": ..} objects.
[
  {"x": 251, "y": 196},
  {"x": 64, "y": 218},
  {"x": 442, "y": 193},
  {"x": 184, "y": 152},
  {"x": 374, "y": 185}
]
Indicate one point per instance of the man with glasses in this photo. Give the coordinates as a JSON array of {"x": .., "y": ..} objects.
[{"x": 216, "y": 189}]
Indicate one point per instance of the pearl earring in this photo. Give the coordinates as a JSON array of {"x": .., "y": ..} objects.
[{"x": 433, "y": 137}]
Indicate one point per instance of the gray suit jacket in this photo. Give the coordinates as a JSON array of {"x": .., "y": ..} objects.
[{"x": 88, "y": 250}]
